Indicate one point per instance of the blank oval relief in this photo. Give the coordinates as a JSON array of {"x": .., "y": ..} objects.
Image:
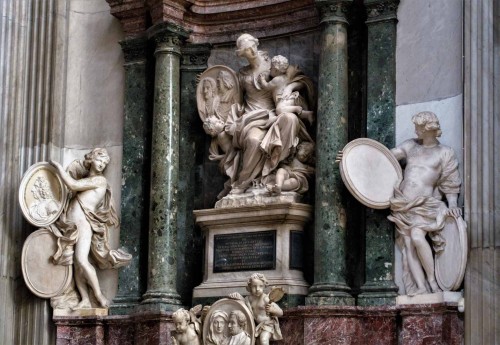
[{"x": 370, "y": 172}]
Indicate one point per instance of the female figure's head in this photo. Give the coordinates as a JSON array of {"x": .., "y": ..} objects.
[
  {"x": 247, "y": 46},
  {"x": 218, "y": 325},
  {"x": 97, "y": 160}
]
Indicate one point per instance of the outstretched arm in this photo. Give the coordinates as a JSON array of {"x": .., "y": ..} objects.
[
  {"x": 79, "y": 185},
  {"x": 453, "y": 209}
]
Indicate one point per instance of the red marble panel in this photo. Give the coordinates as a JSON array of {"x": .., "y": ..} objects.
[
  {"x": 153, "y": 330},
  {"x": 79, "y": 330},
  {"x": 332, "y": 330},
  {"x": 120, "y": 330},
  {"x": 292, "y": 330}
]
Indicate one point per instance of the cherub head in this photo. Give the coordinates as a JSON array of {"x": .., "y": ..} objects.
[
  {"x": 305, "y": 151},
  {"x": 237, "y": 322},
  {"x": 256, "y": 284},
  {"x": 213, "y": 126},
  {"x": 426, "y": 121},
  {"x": 181, "y": 320},
  {"x": 279, "y": 65}
]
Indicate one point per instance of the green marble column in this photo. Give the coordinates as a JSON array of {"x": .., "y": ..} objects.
[
  {"x": 135, "y": 175},
  {"x": 330, "y": 286},
  {"x": 192, "y": 141},
  {"x": 379, "y": 287},
  {"x": 164, "y": 200}
]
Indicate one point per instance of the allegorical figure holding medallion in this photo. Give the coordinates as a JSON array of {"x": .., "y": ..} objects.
[
  {"x": 417, "y": 208},
  {"x": 256, "y": 117},
  {"x": 83, "y": 229},
  {"x": 423, "y": 202}
]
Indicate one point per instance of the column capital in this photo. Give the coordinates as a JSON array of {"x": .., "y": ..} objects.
[
  {"x": 334, "y": 11},
  {"x": 168, "y": 37},
  {"x": 134, "y": 49},
  {"x": 380, "y": 10}
]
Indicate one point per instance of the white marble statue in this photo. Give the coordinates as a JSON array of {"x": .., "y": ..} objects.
[
  {"x": 82, "y": 229},
  {"x": 264, "y": 128},
  {"x": 417, "y": 209},
  {"x": 264, "y": 310},
  {"x": 430, "y": 232},
  {"x": 187, "y": 327}
]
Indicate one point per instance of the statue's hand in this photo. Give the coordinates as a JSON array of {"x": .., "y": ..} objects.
[
  {"x": 235, "y": 295},
  {"x": 454, "y": 212},
  {"x": 339, "y": 157},
  {"x": 56, "y": 165}
]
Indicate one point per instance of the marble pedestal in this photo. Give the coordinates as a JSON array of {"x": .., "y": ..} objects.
[
  {"x": 415, "y": 324},
  {"x": 242, "y": 240}
]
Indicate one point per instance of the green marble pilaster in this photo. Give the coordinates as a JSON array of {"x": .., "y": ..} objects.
[
  {"x": 164, "y": 197},
  {"x": 192, "y": 141},
  {"x": 379, "y": 287},
  {"x": 330, "y": 287},
  {"x": 135, "y": 175}
]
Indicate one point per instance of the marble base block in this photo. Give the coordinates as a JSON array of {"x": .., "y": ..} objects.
[
  {"x": 431, "y": 298},
  {"x": 260, "y": 238},
  {"x": 81, "y": 312},
  {"x": 414, "y": 324}
]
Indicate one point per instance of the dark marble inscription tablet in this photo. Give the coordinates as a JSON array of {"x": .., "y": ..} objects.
[
  {"x": 245, "y": 251},
  {"x": 296, "y": 250}
]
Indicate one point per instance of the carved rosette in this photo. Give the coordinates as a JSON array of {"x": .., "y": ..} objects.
[
  {"x": 381, "y": 10},
  {"x": 195, "y": 57},
  {"x": 333, "y": 11}
]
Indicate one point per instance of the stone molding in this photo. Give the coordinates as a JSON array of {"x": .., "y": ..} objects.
[
  {"x": 134, "y": 50},
  {"x": 217, "y": 21},
  {"x": 195, "y": 56},
  {"x": 334, "y": 11},
  {"x": 381, "y": 10}
]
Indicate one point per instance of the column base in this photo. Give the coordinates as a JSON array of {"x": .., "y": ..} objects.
[
  {"x": 330, "y": 294},
  {"x": 159, "y": 301},
  {"x": 374, "y": 294},
  {"x": 124, "y": 305}
]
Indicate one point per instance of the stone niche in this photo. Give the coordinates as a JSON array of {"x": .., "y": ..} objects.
[{"x": 262, "y": 238}]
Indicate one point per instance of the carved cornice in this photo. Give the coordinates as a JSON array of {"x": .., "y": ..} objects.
[
  {"x": 218, "y": 21},
  {"x": 381, "y": 10},
  {"x": 134, "y": 49},
  {"x": 195, "y": 57},
  {"x": 334, "y": 11}
]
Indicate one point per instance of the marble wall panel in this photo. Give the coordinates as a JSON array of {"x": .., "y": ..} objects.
[{"x": 429, "y": 50}]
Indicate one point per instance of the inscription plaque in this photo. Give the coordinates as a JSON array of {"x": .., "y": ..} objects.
[{"x": 245, "y": 251}]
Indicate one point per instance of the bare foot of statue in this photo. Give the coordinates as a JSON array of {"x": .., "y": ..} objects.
[
  {"x": 84, "y": 304},
  {"x": 434, "y": 286},
  {"x": 103, "y": 301},
  {"x": 420, "y": 291},
  {"x": 273, "y": 188}
]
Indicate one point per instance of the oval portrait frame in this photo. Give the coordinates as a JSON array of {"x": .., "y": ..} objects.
[
  {"x": 38, "y": 269},
  {"x": 354, "y": 186},
  {"x": 212, "y": 73},
  {"x": 228, "y": 305},
  {"x": 58, "y": 189},
  {"x": 455, "y": 236}
]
